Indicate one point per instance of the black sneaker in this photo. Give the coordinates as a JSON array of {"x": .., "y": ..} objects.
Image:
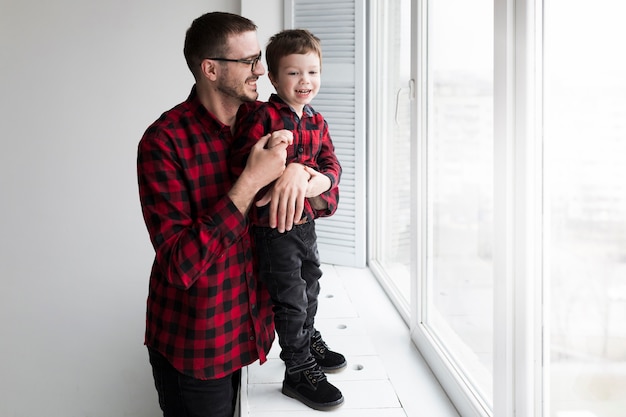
[
  {"x": 308, "y": 384},
  {"x": 328, "y": 360}
]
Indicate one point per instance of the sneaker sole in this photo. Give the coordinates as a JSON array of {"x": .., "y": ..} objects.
[{"x": 316, "y": 406}]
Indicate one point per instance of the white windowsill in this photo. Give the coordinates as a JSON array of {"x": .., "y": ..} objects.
[{"x": 386, "y": 375}]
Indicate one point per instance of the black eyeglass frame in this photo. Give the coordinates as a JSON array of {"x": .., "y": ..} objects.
[{"x": 252, "y": 62}]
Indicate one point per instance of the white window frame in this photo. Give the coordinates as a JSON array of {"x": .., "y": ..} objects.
[
  {"x": 376, "y": 105},
  {"x": 519, "y": 344},
  {"x": 518, "y": 268}
]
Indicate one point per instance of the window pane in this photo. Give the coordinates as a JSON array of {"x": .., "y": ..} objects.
[
  {"x": 394, "y": 193},
  {"x": 585, "y": 137},
  {"x": 460, "y": 303}
]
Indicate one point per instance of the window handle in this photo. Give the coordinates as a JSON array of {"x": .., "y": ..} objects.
[{"x": 410, "y": 90}]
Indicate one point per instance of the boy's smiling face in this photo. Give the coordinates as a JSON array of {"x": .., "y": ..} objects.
[{"x": 297, "y": 80}]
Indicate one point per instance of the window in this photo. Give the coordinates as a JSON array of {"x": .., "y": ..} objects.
[
  {"x": 391, "y": 152},
  {"x": 459, "y": 283},
  {"x": 585, "y": 140},
  {"x": 513, "y": 279},
  {"x": 448, "y": 162}
]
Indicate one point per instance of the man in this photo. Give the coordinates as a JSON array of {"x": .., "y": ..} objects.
[{"x": 207, "y": 315}]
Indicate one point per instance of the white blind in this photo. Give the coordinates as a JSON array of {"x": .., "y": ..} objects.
[{"x": 340, "y": 26}]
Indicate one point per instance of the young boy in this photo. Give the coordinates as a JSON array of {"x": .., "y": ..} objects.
[{"x": 288, "y": 260}]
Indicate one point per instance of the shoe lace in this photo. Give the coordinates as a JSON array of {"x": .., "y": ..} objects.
[
  {"x": 319, "y": 345},
  {"x": 315, "y": 374}
]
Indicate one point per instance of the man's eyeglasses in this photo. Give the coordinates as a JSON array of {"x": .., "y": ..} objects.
[{"x": 252, "y": 62}]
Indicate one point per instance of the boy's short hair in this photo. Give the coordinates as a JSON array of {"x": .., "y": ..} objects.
[
  {"x": 208, "y": 36},
  {"x": 288, "y": 42}
]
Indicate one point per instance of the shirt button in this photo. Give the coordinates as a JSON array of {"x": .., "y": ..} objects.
[
  {"x": 300, "y": 149},
  {"x": 251, "y": 337}
]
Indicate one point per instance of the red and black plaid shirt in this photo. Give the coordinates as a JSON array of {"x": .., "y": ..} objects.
[
  {"x": 206, "y": 311},
  {"x": 312, "y": 146}
]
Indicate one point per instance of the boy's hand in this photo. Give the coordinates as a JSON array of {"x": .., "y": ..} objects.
[
  {"x": 318, "y": 183},
  {"x": 280, "y": 136}
]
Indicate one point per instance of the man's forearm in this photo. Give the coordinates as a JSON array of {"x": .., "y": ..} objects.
[{"x": 242, "y": 194}]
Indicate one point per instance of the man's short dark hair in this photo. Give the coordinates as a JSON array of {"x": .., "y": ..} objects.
[{"x": 208, "y": 35}]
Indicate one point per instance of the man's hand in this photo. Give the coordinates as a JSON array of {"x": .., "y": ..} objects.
[
  {"x": 263, "y": 166},
  {"x": 286, "y": 197}
]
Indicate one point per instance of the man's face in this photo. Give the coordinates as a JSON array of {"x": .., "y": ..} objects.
[{"x": 237, "y": 80}]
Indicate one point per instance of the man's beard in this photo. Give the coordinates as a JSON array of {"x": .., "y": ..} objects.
[{"x": 238, "y": 91}]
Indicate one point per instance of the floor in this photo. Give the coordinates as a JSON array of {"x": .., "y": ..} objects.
[{"x": 386, "y": 376}]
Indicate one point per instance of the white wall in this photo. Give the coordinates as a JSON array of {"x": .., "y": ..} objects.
[
  {"x": 268, "y": 15},
  {"x": 79, "y": 83}
]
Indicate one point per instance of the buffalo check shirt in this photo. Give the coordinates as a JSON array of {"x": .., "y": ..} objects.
[
  {"x": 312, "y": 146},
  {"x": 206, "y": 311}
]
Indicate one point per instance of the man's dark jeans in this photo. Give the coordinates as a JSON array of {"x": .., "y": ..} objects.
[
  {"x": 289, "y": 265},
  {"x": 183, "y": 396}
]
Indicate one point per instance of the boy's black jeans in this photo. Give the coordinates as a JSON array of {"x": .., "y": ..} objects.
[{"x": 289, "y": 265}]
